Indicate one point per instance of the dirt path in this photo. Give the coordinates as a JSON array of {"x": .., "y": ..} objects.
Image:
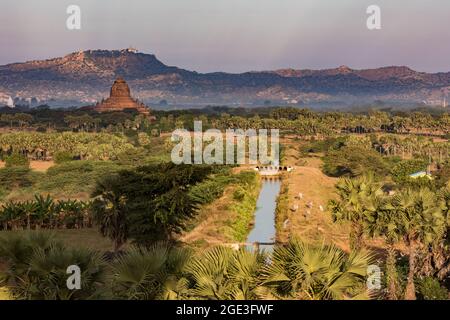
[
  {"x": 41, "y": 166},
  {"x": 213, "y": 219}
]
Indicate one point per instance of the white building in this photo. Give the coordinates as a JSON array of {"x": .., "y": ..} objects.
[{"x": 10, "y": 103}]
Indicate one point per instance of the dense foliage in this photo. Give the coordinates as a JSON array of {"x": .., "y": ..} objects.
[
  {"x": 95, "y": 146},
  {"x": 149, "y": 203},
  {"x": 37, "y": 270},
  {"x": 44, "y": 213},
  {"x": 419, "y": 217},
  {"x": 287, "y": 119}
]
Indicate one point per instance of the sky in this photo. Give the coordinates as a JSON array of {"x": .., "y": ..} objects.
[{"x": 235, "y": 35}]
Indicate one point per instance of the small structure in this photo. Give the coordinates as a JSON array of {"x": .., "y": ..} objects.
[
  {"x": 421, "y": 174},
  {"x": 10, "y": 103},
  {"x": 272, "y": 170}
]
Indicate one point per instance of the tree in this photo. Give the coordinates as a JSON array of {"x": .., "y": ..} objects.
[
  {"x": 402, "y": 171},
  {"x": 303, "y": 271},
  {"x": 17, "y": 159},
  {"x": 8, "y": 118},
  {"x": 222, "y": 273},
  {"x": 158, "y": 200},
  {"x": 37, "y": 268},
  {"x": 421, "y": 222},
  {"x": 355, "y": 205},
  {"x": 149, "y": 204},
  {"x": 23, "y": 119},
  {"x": 109, "y": 211},
  {"x": 150, "y": 273},
  {"x": 354, "y": 160},
  {"x": 383, "y": 221}
]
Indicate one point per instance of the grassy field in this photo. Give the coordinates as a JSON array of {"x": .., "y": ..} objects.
[{"x": 86, "y": 238}]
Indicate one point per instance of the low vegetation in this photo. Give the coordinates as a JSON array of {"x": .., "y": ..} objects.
[{"x": 244, "y": 206}]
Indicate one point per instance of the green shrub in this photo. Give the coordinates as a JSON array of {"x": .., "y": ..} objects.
[
  {"x": 316, "y": 146},
  {"x": 443, "y": 175},
  {"x": 133, "y": 157},
  {"x": 63, "y": 156},
  {"x": 353, "y": 161},
  {"x": 16, "y": 160},
  {"x": 143, "y": 139},
  {"x": 210, "y": 189},
  {"x": 239, "y": 194},
  {"x": 282, "y": 210},
  {"x": 430, "y": 289},
  {"x": 401, "y": 172},
  {"x": 245, "y": 197},
  {"x": 74, "y": 177},
  {"x": 155, "y": 133},
  {"x": 15, "y": 177}
]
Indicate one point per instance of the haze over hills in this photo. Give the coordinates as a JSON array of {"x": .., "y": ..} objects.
[{"x": 84, "y": 77}]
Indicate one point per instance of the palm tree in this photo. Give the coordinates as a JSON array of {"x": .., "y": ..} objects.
[
  {"x": 37, "y": 268},
  {"x": 150, "y": 273},
  {"x": 47, "y": 275},
  {"x": 303, "y": 271},
  {"x": 421, "y": 222},
  {"x": 354, "y": 205},
  {"x": 222, "y": 273},
  {"x": 44, "y": 209},
  {"x": 109, "y": 211},
  {"x": 383, "y": 221}
]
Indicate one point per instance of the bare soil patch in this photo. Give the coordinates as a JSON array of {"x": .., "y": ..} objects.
[{"x": 41, "y": 166}]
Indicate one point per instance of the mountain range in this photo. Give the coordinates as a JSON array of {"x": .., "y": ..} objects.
[{"x": 84, "y": 77}]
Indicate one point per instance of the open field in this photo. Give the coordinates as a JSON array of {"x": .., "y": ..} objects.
[{"x": 311, "y": 224}]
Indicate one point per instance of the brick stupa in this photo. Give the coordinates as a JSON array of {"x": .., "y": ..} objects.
[{"x": 120, "y": 99}]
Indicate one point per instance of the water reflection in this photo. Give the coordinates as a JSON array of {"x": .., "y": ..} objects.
[{"x": 264, "y": 227}]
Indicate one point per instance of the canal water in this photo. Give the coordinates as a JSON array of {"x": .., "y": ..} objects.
[{"x": 264, "y": 227}]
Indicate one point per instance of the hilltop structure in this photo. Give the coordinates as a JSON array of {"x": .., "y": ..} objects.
[
  {"x": 6, "y": 100},
  {"x": 10, "y": 103},
  {"x": 120, "y": 99}
]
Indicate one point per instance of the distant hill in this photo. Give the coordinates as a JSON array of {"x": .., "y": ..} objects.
[{"x": 86, "y": 76}]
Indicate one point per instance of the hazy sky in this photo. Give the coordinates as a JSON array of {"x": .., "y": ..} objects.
[{"x": 236, "y": 35}]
